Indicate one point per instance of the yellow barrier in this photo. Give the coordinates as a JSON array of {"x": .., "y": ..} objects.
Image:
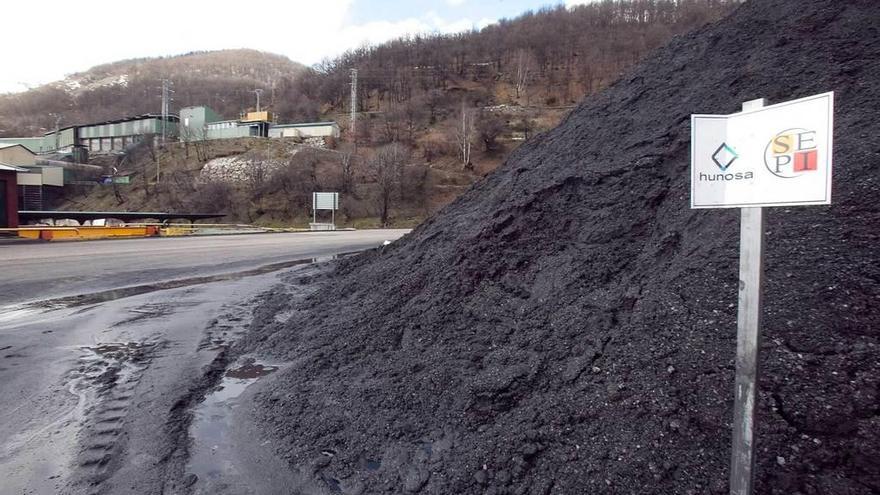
[
  {"x": 50, "y": 233},
  {"x": 82, "y": 233},
  {"x": 175, "y": 231}
]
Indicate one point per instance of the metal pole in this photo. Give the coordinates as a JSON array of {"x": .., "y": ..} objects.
[
  {"x": 748, "y": 341},
  {"x": 258, "y": 92},
  {"x": 353, "y": 109}
]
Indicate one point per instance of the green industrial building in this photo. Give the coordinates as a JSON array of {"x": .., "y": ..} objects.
[
  {"x": 102, "y": 137},
  {"x": 202, "y": 123}
]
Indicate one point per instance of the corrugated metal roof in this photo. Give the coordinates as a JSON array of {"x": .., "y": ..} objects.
[
  {"x": 171, "y": 118},
  {"x": 3, "y": 146},
  {"x": 307, "y": 124},
  {"x": 12, "y": 168}
]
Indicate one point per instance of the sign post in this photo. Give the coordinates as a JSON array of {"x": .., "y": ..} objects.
[
  {"x": 764, "y": 156},
  {"x": 748, "y": 342},
  {"x": 324, "y": 201}
]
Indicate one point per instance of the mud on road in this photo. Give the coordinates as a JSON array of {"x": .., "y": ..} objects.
[{"x": 137, "y": 391}]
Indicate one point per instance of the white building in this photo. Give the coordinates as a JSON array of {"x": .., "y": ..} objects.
[{"x": 305, "y": 131}]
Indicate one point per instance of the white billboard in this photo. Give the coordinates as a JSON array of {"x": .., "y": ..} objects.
[
  {"x": 778, "y": 155},
  {"x": 325, "y": 201}
]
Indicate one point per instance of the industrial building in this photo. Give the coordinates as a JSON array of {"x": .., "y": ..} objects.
[
  {"x": 116, "y": 135},
  {"x": 101, "y": 137},
  {"x": 198, "y": 123},
  {"x": 34, "y": 183},
  {"x": 36, "y": 144},
  {"x": 9, "y": 196},
  {"x": 305, "y": 131},
  {"x": 201, "y": 123}
]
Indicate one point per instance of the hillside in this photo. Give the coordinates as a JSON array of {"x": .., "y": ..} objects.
[
  {"x": 222, "y": 79},
  {"x": 458, "y": 104},
  {"x": 568, "y": 324}
]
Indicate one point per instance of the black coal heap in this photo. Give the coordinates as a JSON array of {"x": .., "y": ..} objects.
[{"x": 568, "y": 325}]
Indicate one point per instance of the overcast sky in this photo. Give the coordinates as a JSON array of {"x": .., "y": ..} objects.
[{"x": 45, "y": 40}]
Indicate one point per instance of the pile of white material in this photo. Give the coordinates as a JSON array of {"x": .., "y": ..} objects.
[{"x": 238, "y": 168}]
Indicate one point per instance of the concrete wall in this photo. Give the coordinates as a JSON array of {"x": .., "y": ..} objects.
[
  {"x": 53, "y": 176},
  {"x": 29, "y": 178},
  {"x": 330, "y": 129},
  {"x": 18, "y": 156},
  {"x": 222, "y": 131},
  {"x": 194, "y": 121}
]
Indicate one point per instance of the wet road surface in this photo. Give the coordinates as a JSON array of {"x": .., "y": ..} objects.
[
  {"x": 136, "y": 394},
  {"x": 31, "y": 271}
]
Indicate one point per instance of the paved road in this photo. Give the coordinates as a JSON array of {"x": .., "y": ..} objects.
[
  {"x": 104, "y": 397},
  {"x": 32, "y": 271}
]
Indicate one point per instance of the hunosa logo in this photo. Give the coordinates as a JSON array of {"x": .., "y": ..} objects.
[
  {"x": 724, "y": 157},
  {"x": 791, "y": 153}
]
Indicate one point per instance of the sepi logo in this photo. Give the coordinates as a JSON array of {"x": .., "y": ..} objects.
[{"x": 791, "y": 153}]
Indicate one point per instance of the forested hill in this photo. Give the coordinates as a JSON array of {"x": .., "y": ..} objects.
[
  {"x": 222, "y": 79},
  {"x": 550, "y": 57}
]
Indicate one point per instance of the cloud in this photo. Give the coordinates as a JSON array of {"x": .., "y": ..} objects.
[
  {"x": 375, "y": 32},
  {"x": 455, "y": 3},
  {"x": 306, "y": 32}
]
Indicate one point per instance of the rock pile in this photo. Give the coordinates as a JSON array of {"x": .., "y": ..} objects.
[{"x": 568, "y": 325}]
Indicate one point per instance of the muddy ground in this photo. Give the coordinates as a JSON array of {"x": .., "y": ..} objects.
[
  {"x": 137, "y": 392},
  {"x": 568, "y": 325}
]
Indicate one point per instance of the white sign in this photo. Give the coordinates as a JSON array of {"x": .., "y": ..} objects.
[
  {"x": 325, "y": 201},
  {"x": 779, "y": 155}
]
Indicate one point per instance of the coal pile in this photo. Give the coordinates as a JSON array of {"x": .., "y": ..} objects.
[{"x": 568, "y": 325}]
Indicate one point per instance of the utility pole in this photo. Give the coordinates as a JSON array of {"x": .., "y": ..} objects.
[
  {"x": 57, "y": 130},
  {"x": 353, "y": 127},
  {"x": 258, "y": 92},
  {"x": 166, "y": 104}
]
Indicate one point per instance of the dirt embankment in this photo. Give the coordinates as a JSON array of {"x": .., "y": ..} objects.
[{"x": 568, "y": 325}]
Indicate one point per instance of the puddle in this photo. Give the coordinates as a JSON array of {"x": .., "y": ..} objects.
[
  {"x": 16, "y": 311},
  {"x": 212, "y": 456},
  {"x": 250, "y": 371}
]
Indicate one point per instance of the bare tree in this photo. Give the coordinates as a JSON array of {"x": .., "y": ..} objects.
[
  {"x": 489, "y": 127},
  {"x": 212, "y": 196},
  {"x": 433, "y": 99},
  {"x": 297, "y": 179},
  {"x": 386, "y": 168},
  {"x": 464, "y": 134},
  {"x": 413, "y": 114},
  {"x": 391, "y": 123},
  {"x": 524, "y": 61},
  {"x": 197, "y": 139},
  {"x": 346, "y": 167},
  {"x": 142, "y": 157}
]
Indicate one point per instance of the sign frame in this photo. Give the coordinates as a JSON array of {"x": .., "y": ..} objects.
[{"x": 762, "y": 177}]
